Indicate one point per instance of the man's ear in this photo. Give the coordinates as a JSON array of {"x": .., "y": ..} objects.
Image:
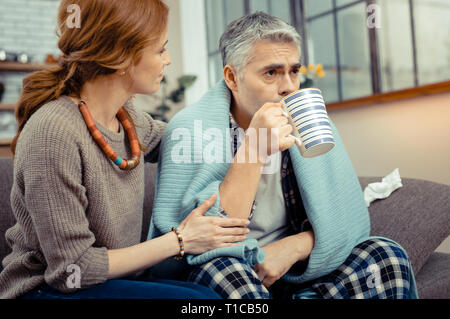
[{"x": 231, "y": 77}]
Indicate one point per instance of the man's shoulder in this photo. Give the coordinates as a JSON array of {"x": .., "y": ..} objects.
[{"x": 212, "y": 109}]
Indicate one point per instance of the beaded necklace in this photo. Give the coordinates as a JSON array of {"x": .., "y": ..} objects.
[{"x": 107, "y": 149}]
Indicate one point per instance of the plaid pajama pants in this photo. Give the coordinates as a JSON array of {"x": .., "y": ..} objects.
[{"x": 375, "y": 268}]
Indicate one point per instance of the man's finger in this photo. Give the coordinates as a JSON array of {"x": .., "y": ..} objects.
[
  {"x": 285, "y": 130},
  {"x": 260, "y": 272},
  {"x": 267, "y": 282}
]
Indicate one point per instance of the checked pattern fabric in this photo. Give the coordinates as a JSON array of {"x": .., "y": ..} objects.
[{"x": 375, "y": 269}]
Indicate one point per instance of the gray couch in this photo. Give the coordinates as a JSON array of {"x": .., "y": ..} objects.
[{"x": 416, "y": 215}]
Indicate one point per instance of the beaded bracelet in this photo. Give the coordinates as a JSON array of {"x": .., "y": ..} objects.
[{"x": 180, "y": 242}]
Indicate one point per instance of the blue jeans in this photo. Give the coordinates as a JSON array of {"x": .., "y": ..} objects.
[{"x": 129, "y": 289}]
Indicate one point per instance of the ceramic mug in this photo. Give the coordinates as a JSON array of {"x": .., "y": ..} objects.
[{"x": 306, "y": 112}]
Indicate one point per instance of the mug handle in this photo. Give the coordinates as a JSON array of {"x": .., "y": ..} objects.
[{"x": 298, "y": 141}]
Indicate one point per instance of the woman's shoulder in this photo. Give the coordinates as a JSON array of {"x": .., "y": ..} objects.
[
  {"x": 148, "y": 129},
  {"x": 55, "y": 121}
]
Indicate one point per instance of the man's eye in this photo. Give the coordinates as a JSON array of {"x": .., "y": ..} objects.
[
  {"x": 270, "y": 73},
  {"x": 295, "y": 71}
]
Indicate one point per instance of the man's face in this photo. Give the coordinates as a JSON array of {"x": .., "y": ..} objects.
[{"x": 271, "y": 74}]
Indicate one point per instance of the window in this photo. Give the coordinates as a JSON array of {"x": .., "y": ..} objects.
[
  {"x": 354, "y": 52},
  {"x": 432, "y": 31},
  {"x": 396, "y": 54},
  {"x": 221, "y": 12},
  {"x": 408, "y": 44}
]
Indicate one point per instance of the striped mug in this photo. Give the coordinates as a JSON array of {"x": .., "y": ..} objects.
[{"x": 306, "y": 112}]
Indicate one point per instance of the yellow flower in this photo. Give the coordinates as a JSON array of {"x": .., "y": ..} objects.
[
  {"x": 311, "y": 67},
  {"x": 319, "y": 68},
  {"x": 321, "y": 74},
  {"x": 303, "y": 70}
]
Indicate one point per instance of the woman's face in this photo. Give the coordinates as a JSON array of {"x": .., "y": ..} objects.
[{"x": 148, "y": 73}]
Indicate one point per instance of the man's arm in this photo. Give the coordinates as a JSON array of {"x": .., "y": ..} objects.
[{"x": 238, "y": 189}]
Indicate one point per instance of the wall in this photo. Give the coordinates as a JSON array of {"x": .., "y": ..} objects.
[
  {"x": 26, "y": 26},
  {"x": 29, "y": 26},
  {"x": 412, "y": 135}
]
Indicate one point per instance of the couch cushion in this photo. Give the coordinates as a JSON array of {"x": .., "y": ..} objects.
[
  {"x": 433, "y": 280},
  {"x": 417, "y": 216},
  {"x": 6, "y": 216}
]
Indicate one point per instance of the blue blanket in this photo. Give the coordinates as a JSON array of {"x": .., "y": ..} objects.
[{"x": 330, "y": 190}]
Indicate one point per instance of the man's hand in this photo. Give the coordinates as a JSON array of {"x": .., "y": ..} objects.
[
  {"x": 271, "y": 118},
  {"x": 281, "y": 255}
]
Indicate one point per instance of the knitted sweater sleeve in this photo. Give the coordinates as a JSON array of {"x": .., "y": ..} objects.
[{"x": 51, "y": 169}]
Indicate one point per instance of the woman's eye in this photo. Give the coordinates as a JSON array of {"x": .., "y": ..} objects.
[{"x": 162, "y": 51}]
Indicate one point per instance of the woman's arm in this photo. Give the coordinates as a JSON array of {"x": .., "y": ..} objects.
[
  {"x": 200, "y": 233},
  {"x": 125, "y": 261}
]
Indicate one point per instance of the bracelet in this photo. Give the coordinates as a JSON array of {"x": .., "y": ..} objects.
[{"x": 180, "y": 242}]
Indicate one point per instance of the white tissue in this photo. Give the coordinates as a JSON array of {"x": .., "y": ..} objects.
[{"x": 388, "y": 184}]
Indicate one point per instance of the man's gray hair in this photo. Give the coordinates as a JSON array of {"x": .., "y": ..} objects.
[{"x": 241, "y": 34}]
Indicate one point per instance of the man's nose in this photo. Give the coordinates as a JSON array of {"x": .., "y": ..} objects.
[{"x": 287, "y": 85}]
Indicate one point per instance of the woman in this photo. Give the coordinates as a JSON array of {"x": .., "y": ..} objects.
[{"x": 77, "y": 196}]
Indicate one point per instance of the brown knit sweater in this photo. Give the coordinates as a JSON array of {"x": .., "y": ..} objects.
[{"x": 70, "y": 201}]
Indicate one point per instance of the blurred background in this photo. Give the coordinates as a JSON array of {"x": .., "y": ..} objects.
[{"x": 383, "y": 67}]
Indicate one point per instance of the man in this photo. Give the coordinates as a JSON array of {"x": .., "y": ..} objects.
[{"x": 309, "y": 223}]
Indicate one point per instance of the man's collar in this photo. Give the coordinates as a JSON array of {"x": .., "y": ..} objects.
[{"x": 233, "y": 124}]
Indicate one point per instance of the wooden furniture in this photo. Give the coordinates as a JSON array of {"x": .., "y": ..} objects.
[{"x": 7, "y": 66}]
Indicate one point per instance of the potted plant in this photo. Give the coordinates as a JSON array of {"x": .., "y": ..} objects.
[
  {"x": 309, "y": 74},
  {"x": 175, "y": 96}
]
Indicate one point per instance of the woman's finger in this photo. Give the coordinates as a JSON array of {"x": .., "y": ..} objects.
[
  {"x": 233, "y": 239},
  {"x": 207, "y": 204},
  {"x": 230, "y": 222},
  {"x": 233, "y": 231}
]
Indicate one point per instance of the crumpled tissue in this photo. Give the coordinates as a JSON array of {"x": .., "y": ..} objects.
[{"x": 383, "y": 189}]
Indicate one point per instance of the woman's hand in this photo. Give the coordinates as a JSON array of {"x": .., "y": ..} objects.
[{"x": 202, "y": 233}]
